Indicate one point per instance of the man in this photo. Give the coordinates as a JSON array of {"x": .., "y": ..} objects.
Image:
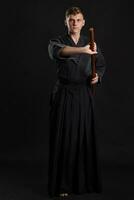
[{"x": 73, "y": 159}]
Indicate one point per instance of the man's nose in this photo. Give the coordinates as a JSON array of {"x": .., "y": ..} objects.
[{"x": 75, "y": 22}]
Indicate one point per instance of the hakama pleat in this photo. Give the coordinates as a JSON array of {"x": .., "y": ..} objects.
[{"x": 74, "y": 165}]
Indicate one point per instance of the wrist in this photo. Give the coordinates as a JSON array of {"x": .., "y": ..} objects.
[{"x": 83, "y": 50}]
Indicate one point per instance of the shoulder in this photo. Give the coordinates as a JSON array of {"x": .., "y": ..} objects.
[
  {"x": 55, "y": 39},
  {"x": 59, "y": 39},
  {"x": 84, "y": 39}
]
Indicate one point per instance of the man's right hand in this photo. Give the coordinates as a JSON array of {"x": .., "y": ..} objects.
[{"x": 89, "y": 51}]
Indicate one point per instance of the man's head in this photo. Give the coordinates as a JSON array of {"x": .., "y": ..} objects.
[{"x": 74, "y": 20}]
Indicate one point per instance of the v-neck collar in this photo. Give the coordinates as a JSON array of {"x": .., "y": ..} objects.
[{"x": 72, "y": 42}]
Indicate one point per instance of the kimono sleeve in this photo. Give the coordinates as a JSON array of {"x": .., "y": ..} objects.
[
  {"x": 100, "y": 64},
  {"x": 53, "y": 49}
]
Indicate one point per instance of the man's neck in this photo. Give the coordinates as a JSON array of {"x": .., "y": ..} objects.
[{"x": 75, "y": 37}]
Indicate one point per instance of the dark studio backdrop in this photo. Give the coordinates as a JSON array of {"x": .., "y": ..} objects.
[{"x": 27, "y": 76}]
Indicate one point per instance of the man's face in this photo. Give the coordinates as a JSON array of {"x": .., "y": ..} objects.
[{"x": 75, "y": 23}]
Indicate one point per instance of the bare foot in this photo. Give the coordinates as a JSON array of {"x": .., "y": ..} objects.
[{"x": 63, "y": 194}]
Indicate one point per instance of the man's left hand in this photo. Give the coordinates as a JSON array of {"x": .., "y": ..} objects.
[{"x": 95, "y": 79}]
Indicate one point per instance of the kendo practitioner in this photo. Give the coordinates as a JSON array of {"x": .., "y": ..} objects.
[{"x": 73, "y": 156}]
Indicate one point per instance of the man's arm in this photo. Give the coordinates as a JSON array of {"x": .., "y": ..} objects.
[{"x": 68, "y": 50}]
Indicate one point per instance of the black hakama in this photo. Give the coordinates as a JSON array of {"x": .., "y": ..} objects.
[{"x": 74, "y": 165}]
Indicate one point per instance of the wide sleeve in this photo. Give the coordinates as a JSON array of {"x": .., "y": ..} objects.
[
  {"x": 53, "y": 49},
  {"x": 100, "y": 64}
]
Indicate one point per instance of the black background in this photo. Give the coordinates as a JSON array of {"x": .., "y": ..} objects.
[{"x": 27, "y": 75}]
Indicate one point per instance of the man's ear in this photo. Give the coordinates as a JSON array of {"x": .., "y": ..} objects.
[
  {"x": 65, "y": 22},
  {"x": 83, "y": 22}
]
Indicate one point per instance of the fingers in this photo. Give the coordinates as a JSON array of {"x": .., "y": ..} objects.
[
  {"x": 94, "y": 46},
  {"x": 93, "y": 52},
  {"x": 89, "y": 51},
  {"x": 95, "y": 79}
]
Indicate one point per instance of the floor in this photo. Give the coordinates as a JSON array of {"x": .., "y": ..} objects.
[{"x": 28, "y": 182}]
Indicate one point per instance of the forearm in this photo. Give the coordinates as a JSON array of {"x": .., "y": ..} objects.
[{"x": 68, "y": 50}]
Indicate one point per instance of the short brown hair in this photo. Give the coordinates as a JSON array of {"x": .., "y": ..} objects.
[{"x": 73, "y": 11}]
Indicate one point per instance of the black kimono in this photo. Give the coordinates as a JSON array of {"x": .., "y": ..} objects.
[{"x": 73, "y": 159}]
